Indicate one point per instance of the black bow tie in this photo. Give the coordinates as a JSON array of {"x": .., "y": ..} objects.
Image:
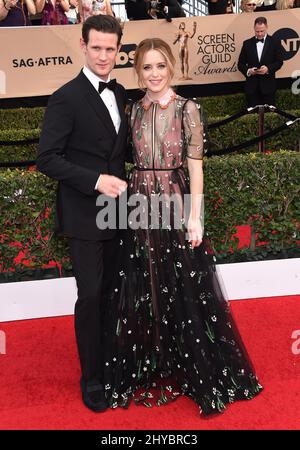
[
  {"x": 110, "y": 85},
  {"x": 260, "y": 40}
]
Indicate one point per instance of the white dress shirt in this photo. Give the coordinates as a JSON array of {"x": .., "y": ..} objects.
[
  {"x": 260, "y": 47},
  {"x": 108, "y": 98}
]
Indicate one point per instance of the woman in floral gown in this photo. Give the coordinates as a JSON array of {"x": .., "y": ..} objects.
[{"x": 169, "y": 329}]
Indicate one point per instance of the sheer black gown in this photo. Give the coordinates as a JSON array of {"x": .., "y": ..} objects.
[{"x": 169, "y": 330}]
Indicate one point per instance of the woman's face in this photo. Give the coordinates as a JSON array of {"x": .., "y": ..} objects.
[
  {"x": 249, "y": 6},
  {"x": 155, "y": 73}
]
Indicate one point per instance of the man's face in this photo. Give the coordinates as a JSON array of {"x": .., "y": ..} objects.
[
  {"x": 260, "y": 30},
  {"x": 100, "y": 52}
]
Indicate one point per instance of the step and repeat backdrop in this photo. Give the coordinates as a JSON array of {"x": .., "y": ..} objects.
[{"x": 37, "y": 60}]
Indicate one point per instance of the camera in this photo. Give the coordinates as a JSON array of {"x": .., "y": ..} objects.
[
  {"x": 158, "y": 6},
  {"x": 96, "y": 6},
  {"x": 153, "y": 9}
]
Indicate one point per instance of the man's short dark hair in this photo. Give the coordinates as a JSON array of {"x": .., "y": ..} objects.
[
  {"x": 104, "y": 23},
  {"x": 260, "y": 21}
]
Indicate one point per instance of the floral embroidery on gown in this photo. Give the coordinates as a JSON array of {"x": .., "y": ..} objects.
[{"x": 169, "y": 329}]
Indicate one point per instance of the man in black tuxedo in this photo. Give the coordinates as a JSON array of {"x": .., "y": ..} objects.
[
  {"x": 82, "y": 145},
  {"x": 261, "y": 56}
]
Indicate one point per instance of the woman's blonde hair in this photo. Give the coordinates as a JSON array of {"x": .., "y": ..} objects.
[
  {"x": 153, "y": 44},
  {"x": 283, "y": 4}
]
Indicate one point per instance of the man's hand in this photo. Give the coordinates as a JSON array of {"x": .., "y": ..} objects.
[
  {"x": 252, "y": 71},
  {"x": 111, "y": 185},
  {"x": 262, "y": 70}
]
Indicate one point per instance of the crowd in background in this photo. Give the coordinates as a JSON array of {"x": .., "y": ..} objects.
[{"x": 64, "y": 12}]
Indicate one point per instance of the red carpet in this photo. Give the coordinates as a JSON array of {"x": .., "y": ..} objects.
[{"x": 39, "y": 386}]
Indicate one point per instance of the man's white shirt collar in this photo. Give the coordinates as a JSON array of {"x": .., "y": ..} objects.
[
  {"x": 264, "y": 38},
  {"x": 93, "y": 78}
]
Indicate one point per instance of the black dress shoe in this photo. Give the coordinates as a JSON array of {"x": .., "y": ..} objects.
[{"x": 93, "y": 396}]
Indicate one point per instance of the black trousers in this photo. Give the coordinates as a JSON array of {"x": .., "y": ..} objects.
[
  {"x": 94, "y": 265},
  {"x": 258, "y": 98}
]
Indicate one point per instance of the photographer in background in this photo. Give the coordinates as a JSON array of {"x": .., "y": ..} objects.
[
  {"x": 136, "y": 10},
  {"x": 165, "y": 9},
  {"x": 15, "y": 13},
  {"x": 53, "y": 11},
  {"x": 153, "y": 9},
  {"x": 73, "y": 13},
  {"x": 88, "y": 8},
  {"x": 217, "y": 7}
]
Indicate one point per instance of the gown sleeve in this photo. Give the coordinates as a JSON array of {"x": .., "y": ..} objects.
[
  {"x": 193, "y": 130},
  {"x": 129, "y": 145}
]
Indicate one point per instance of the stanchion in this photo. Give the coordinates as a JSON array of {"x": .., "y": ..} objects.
[
  {"x": 261, "y": 128},
  {"x": 260, "y": 139}
]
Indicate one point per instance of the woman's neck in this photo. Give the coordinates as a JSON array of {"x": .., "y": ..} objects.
[{"x": 156, "y": 96}]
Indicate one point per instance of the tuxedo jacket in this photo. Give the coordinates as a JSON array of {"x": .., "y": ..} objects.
[
  {"x": 272, "y": 57},
  {"x": 78, "y": 143},
  {"x": 218, "y": 7}
]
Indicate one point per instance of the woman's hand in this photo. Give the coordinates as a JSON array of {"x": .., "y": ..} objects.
[
  {"x": 195, "y": 232},
  {"x": 10, "y": 3}
]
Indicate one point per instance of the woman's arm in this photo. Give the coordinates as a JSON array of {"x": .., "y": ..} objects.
[
  {"x": 5, "y": 6},
  {"x": 65, "y": 5},
  {"x": 194, "y": 133},
  {"x": 3, "y": 11},
  {"x": 31, "y": 6},
  {"x": 109, "y": 8},
  {"x": 80, "y": 10},
  {"x": 39, "y": 4}
]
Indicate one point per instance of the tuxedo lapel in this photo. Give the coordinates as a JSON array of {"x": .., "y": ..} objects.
[
  {"x": 254, "y": 49},
  {"x": 123, "y": 125},
  {"x": 120, "y": 103},
  {"x": 96, "y": 102}
]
